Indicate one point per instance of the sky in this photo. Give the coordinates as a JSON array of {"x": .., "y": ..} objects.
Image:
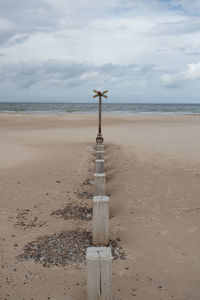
[{"x": 142, "y": 51}]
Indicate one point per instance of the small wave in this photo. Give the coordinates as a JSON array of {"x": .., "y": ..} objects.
[{"x": 108, "y": 108}]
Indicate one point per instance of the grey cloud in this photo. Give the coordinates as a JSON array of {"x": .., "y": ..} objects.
[
  {"x": 123, "y": 70},
  {"x": 189, "y": 50},
  {"x": 66, "y": 70},
  {"x": 55, "y": 72},
  {"x": 19, "y": 39},
  {"x": 146, "y": 69},
  {"x": 5, "y": 36},
  {"x": 52, "y": 72},
  {"x": 24, "y": 17},
  {"x": 117, "y": 70},
  {"x": 192, "y": 7},
  {"x": 33, "y": 14},
  {"x": 194, "y": 53},
  {"x": 177, "y": 28}
]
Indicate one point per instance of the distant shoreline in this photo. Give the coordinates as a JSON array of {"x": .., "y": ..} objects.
[
  {"x": 92, "y": 108},
  {"x": 95, "y": 113}
]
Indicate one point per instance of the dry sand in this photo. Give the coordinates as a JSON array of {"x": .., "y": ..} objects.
[{"x": 153, "y": 168}]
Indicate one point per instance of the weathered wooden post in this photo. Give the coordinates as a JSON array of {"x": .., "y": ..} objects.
[
  {"x": 99, "y": 184},
  {"x": 99, "y": 154},
  {"x": 99, "y": 94},
  {"x": 99, "y": 166},
  {"x": 101, "y": 228},
  {"x": 99, "y": 273},
  {"x": 100, "y": 147}
]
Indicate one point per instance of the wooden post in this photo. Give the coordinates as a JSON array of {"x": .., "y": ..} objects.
[
  {"x": 99, "y": 166},
  {"x": 99, "y": 154},
  {"x": 99, "y": 273},
  {"x": 101, "y": 220},
  {"x": 100, "y": 147},
  {"x": 99, "y": 184}
]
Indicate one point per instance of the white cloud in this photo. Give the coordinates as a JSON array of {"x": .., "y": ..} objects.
[{"x": 179, "y": 79}]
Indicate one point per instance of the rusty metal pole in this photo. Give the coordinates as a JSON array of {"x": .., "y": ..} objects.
[
  {"x": 99, "y": 138},
  {"x": 99, "y": 114}
]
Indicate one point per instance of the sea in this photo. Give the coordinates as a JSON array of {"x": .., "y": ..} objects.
[{"x": 108, "y": 108}]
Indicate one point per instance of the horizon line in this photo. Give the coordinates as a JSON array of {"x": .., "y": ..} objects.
[{"x": 115, "y": 102}]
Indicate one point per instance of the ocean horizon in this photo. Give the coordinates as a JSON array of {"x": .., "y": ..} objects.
[{"x": 114, "y": 108}]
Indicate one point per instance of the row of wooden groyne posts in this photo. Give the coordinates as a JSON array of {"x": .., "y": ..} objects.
[{"x": 99, "y": 257}]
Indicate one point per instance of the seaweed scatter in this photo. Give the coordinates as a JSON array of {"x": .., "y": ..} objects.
[
  {"x": 81, "y": 212},
  {"x": 64, "y": 248},
  {"x": 84, "y": 195},
  {"x": 26, "y": 220},
  {"x": 86, "y": 182},
  {"x": 117, "y": 251},
  {"x": 59, "y": 249}
]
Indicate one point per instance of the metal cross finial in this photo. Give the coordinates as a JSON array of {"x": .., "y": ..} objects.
[{"x": 99, "y": 94}]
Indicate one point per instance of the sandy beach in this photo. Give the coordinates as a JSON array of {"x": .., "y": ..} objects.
[{"x": 153, "y": 179}]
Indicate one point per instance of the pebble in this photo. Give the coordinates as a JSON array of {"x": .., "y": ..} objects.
[
  {"x": 64, "y": 248},
  {"x": 81, "y": 212},
  {"x": 25, "y": 220},
  {"x": 84, "y": 195},
  {"x": 162, "y": 287}
]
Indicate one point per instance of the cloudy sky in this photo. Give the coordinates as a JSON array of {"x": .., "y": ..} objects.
[{"x": 60, "y": 50}]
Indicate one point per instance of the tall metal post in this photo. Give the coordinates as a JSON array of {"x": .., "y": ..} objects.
[
  {"x": 99, "y": 94},
  {"x": 99, "y": 114}
]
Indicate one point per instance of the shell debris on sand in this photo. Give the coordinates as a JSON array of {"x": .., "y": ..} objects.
[
  {"x": 84, "y": 195},
  {"x": 26, "y": 220},
  {"x": 61, "y": 249},
  {"x": 81, "y": 212}
]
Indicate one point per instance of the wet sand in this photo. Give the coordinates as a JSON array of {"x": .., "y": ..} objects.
[{"x": 153, "y": 172}]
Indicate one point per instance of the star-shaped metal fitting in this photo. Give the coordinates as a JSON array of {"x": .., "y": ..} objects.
[{"x": 99, "y": 93}]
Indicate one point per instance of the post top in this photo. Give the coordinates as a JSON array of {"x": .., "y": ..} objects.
[
  {"x": 99, "y": 175},
  {"x": 101, "y": 198},
  {"x": 98, "y": 252},
  {"x": 99, "y": 93}
]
